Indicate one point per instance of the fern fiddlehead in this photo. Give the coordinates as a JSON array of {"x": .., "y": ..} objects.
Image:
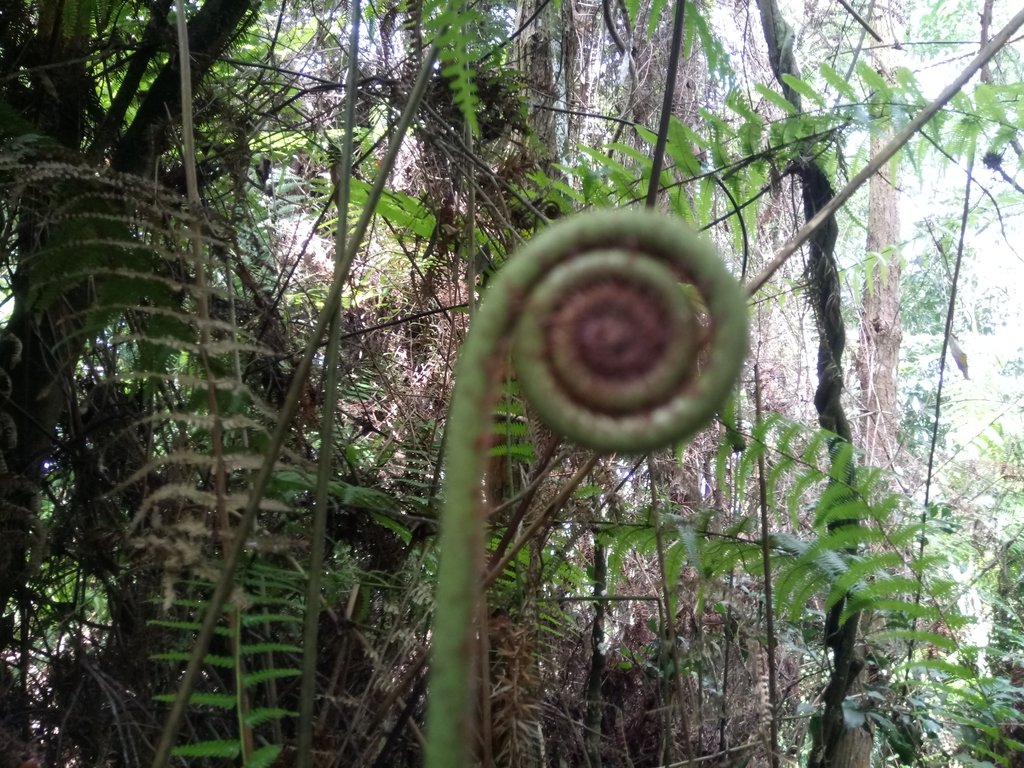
[{"x": 627, "y": 334}]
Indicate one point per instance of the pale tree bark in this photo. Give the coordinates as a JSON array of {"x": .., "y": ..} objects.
[
  {"x": 533, "y": 54},
  {"x": 877, "y": 358}
]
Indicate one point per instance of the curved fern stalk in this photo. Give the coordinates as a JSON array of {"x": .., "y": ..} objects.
[{"x": 628, "y": 334}]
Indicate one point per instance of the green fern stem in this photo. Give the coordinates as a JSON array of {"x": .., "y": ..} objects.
[{"x": 627, "y": 335}]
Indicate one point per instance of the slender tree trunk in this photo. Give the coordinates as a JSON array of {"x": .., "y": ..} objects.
[
  {"x": 534, "y": 55},
  {"x": 881, "y": 329},
  {"x": 595, "y": 701}
]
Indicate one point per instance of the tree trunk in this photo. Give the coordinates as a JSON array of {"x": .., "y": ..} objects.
[
  {"x": 595, "y": 701},
  {"x": 534, "y": 55},
  {"x": 881, "y": 332},
  {"x": 834, "y": 744}
]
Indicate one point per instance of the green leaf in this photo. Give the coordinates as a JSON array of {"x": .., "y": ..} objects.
[
  {"x": 221, "y": 748},
  {"x": 840, "y": 83},
  {"x": 595, "y": 191},
  {"x": 213, "y": 660},
  {"x": 750, "y": 135},
  {"x": 639, "y": 157},
  {"x": 777, "y": 99},
  {"x": 803, "y": 88},
  {"x": 681, "y": 140},
  {"x": 859, "y": 568},
  {"x": 256, "y": 619},
  {"x": 899, "y": 737},
  {"x": 262, "y": 675},
  {"x": 250, "y": 649},
  {"x": 873, "y": 80},
  {"x": 657, "y": 8},
  {"x": 260, "y": 715},
  {"x": 406, "y": 213},
  {"x": 452, "y": 35},
  {"x": 188, "y": 625},
  {"x": 263, "y": 757},
  {"x": 632, "y": 9}
]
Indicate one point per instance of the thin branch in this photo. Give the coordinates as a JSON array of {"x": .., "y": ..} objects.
[
  {"x": 666, "y": 107},
  {"x": 766, "y": 563},
  {"x": 860, "y": 20},
  {"x": 950, "y": 310},
  {"x": 311, "y": 617}
]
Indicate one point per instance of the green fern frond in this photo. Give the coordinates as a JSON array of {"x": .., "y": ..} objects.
[
  {"x": 905, "y": 608},
  {"x": 859, "y": 568},
  {"x": 251, "y": 679},
  {"x": 887, "y": 592},
  {"x": 801, "y": 593},
  {"x": 827, "y": 565},
  {"x": 450, "y": 30},
  {"x": 919, "y": 637},
  {"x": 188, "y": 626},
  {"x": 256, "y": 619},
  {"x": 260, "y": 715},
  {"x": 848, "y": 538},
  {"x": 261, "y": 611},
  {"x": 676, "y": 556},
  {"x": 263, "y": 757},
  {"x": 621, "y": 541},
  {"x": 938, "y": 668},
  {"x": 225, "y": 748},
  {"x": 225, "y": 662}
]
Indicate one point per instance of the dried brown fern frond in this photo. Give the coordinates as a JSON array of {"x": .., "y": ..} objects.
[{"x": 144, "y": 283}]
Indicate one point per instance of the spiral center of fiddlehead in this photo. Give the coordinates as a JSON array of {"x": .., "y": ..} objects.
[
  {"x": 605, "y": 333},
  {"x": 618, "y": 315},
  {"x": 614, "y": 334},
  {"x": 615, "y": 330},
  {"x": 627, "y": 334}
]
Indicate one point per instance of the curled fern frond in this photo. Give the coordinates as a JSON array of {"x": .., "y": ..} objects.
[{"x": 629, "y": 334}]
